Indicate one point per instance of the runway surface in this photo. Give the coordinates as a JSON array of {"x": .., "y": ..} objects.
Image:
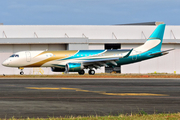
[{"x": 66, "y": 97}]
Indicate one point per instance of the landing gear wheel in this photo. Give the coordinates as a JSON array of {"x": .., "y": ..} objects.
[
  {"x": 21, "y": 73},
  {"x": 81, "y": 72},
  {"x": 91, "y": 72},
  {"x": 21, "y": 68}
]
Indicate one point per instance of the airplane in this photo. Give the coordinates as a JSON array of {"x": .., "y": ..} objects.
[{"x": 78, "y": 60}]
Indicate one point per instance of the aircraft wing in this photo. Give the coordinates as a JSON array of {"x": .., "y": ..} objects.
[
  {"x": 97, "y": 63},
  {"x": 101, "y": 62}
]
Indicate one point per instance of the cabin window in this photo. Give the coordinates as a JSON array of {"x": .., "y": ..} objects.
[{"x": 16, "y": 55}]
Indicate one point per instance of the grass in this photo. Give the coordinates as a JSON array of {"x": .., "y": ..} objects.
[{"x": 140, "y": 116}]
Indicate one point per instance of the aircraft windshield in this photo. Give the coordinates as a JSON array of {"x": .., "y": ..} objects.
[{"x": 14, "y": 55}]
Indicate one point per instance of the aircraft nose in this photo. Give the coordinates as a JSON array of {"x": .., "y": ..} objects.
[{"x": 5, "y": 63}]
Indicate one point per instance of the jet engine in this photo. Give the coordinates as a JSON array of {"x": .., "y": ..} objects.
[
  {"x": 56, "y": 69},
  {"x": 74, "y": 67}
]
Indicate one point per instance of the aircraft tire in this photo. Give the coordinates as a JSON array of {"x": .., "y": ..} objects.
[
  {"x": 21, "y": 73},
  {"x": 81, "y": 72},
  {"x": 91, "y": 72}
]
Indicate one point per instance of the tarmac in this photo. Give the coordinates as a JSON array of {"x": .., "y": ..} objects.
[{"x": 22, "y": 98}]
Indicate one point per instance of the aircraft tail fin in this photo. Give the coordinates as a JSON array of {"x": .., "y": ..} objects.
[
  {"x": 154, "y": 42},
  {"x": 157, "y": 35}
]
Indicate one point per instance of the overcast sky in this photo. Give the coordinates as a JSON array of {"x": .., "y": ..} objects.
[{"x": 88, "y": 12}]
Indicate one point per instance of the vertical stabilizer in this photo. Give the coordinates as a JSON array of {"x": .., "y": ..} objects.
[
  {"x": 154, "y": 42},
  {"x": 157, "y": 35}
]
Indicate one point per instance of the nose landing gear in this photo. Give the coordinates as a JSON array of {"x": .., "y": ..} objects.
[
  {"x": 21, "y": 73},
  {"x": 21, "y": 68}
]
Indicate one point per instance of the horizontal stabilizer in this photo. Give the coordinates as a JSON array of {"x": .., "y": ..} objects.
[
  {"x": 128, "y": 54},
  {"x": 162, "y": 52}
]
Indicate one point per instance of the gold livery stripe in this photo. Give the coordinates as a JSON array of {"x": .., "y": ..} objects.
[{"x": 58, "y": 55}]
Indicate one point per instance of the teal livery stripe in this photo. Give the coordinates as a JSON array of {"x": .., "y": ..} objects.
[{"x": 85, "y": 53}]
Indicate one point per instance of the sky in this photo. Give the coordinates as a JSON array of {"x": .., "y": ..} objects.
[{"x": 88, "y": 12}]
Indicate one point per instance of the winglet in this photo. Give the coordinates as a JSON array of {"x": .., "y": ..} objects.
[{"x": 127, "y": 55}]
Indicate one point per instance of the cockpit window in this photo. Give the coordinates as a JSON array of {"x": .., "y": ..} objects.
[{"x": 14, "y": 55}]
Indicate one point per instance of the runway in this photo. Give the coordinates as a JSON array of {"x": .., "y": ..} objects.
[{"x": 66, "y": 97}]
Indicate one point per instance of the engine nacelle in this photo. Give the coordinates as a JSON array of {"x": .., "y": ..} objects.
[
  {"x": 56, "y": 69},
  {"x": 74, "y": 67}
]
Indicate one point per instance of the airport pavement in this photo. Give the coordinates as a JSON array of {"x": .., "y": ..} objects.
[{"x": 66, "y": 97}]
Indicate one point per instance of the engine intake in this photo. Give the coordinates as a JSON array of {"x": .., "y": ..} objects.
[{"x": 74, "y": 67}]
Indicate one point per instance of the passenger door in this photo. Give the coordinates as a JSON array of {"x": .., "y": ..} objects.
[{"x": 28, "y": 56}]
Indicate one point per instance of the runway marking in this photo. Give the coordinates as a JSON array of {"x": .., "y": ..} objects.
[
  {"x": 42, "y": 88},
  {"x": 99, "y": 92},
  {"x": 77, "y": 89}
]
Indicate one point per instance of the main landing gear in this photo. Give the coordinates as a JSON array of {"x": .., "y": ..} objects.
[
  {"x": 91, "y": 72},
  {"x": 81, "y": 72},
  {"x": 21, "y": 68}
]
